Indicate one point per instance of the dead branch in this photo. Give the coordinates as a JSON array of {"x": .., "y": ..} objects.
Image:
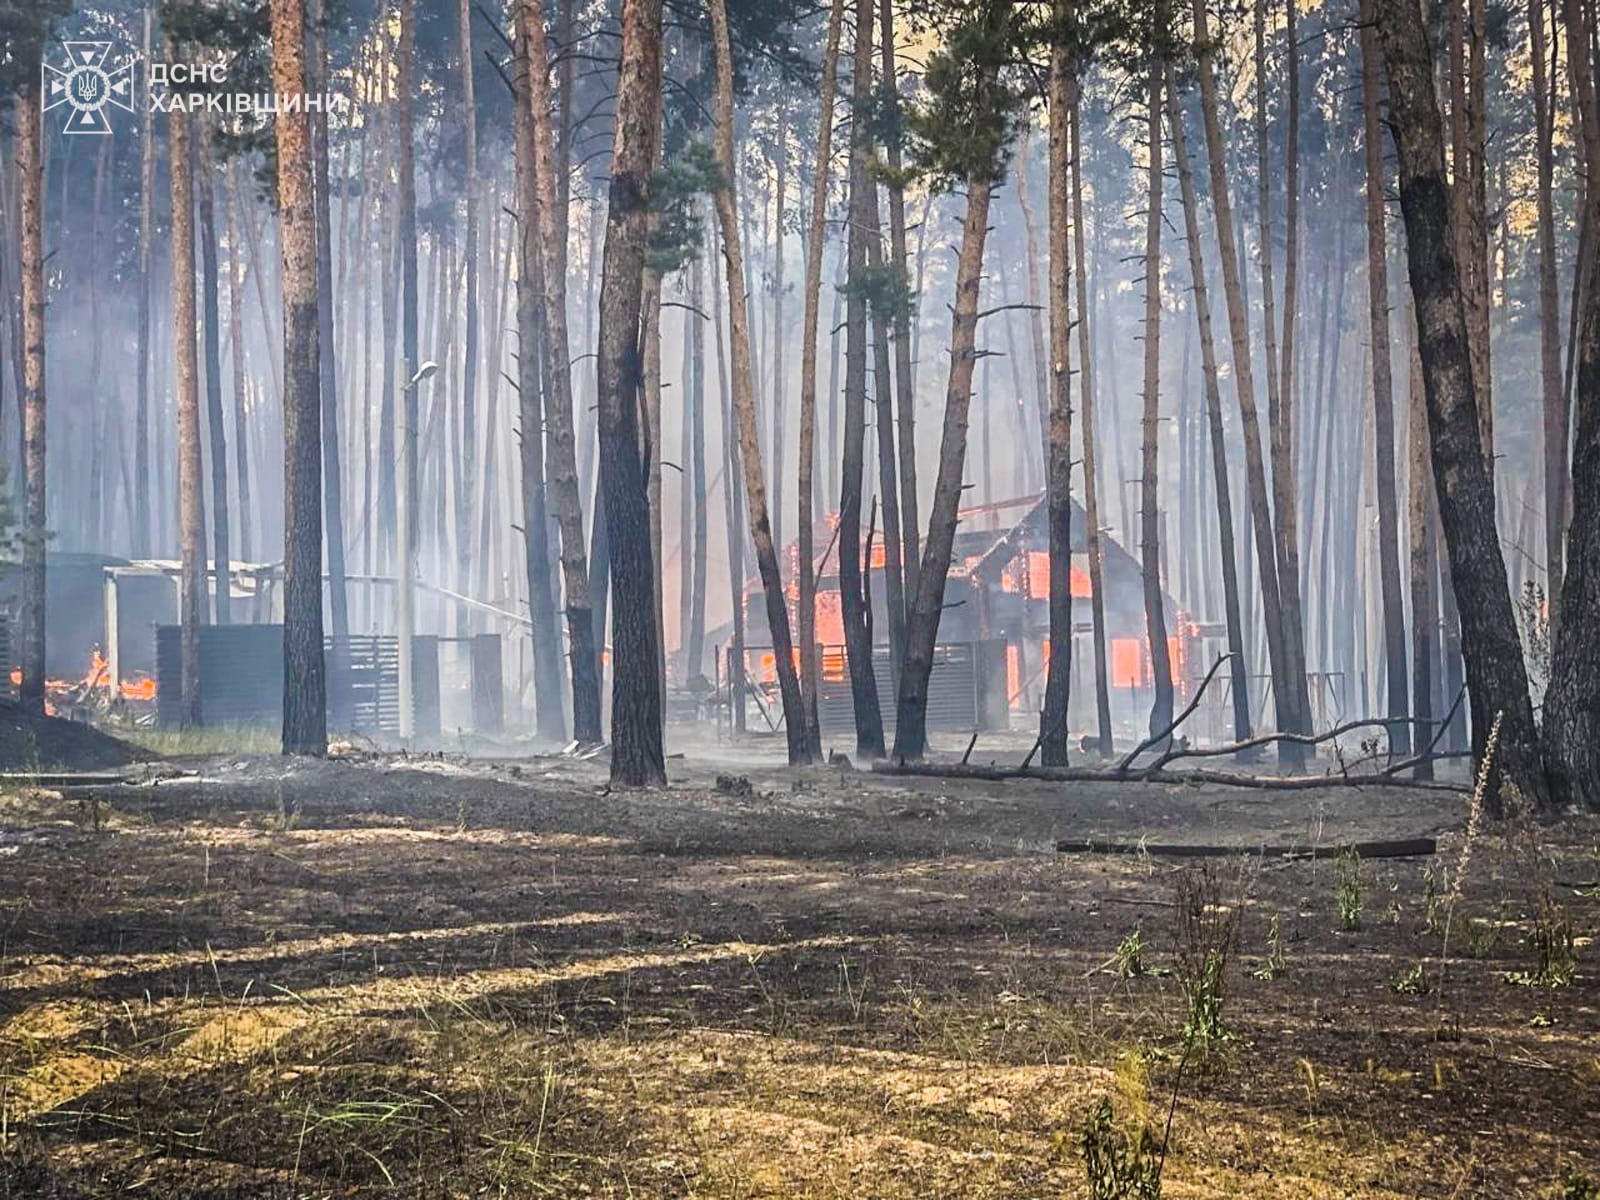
[{"x": 1286, "y": 783}]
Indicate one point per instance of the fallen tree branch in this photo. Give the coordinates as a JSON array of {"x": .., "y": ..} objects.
[
  {"x": 1266, "y": 739},
  {"x": 1194, "y": 702},
  {"x": 1400, "y": 848}
]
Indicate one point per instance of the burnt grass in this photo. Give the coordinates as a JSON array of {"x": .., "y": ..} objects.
[{"x": 391, "y": 977}]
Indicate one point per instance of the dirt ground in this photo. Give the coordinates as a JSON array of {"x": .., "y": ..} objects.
[{"x": 447, "y": 978}]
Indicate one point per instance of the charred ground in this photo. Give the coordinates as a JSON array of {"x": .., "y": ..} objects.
[{"x": 440, "y": 978}]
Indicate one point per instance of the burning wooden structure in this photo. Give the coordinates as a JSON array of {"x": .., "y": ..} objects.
[{"x": 994, "y": 643}]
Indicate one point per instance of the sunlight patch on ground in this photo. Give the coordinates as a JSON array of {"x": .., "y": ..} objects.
[{"x": 44, "y": 971}]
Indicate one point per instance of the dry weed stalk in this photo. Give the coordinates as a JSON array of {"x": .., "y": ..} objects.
[{"x": 1475, "y": 810}]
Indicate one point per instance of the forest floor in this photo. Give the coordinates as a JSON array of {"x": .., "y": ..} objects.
[{"x": 448, "y": 978}]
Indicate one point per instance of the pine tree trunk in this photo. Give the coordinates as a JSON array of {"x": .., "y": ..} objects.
[
  {"x": 1394, "y": 623},
  {"x": 1497, "y": 677},
  {"x": 1557, "y": 416},
  {"x": 141, "y": 413},
  {"x": 1244, "y": 387},
  {"x": 1043, "y": 388},
  {"x": 810, "y": 656},
  {"x": 852, "y": 601},
  {"x": 686, "y": 480},
  {"x": 338, "y": 681},
  {"x": 1238, "y": 666},
  {"x": 922, "y": 626},
  {"x": 30, "y": 167},
  {"x": 904, "y": 361},
  {"x": 1420, "y": 505},
  {"x": 744, "y": 401},
  {"x": 779, "y": 416},
  {"x": 734, "y": 511},
  {"x": 1155, "y": 617},
  {"x": 562, "y": 451},
  {"x": 650, "y": 337},
  {"x": 1053, "y": 739},
  {"x": 191, "y": 517},
  {"x": 96, "y": 518},
  {"x": 407, "y": 245},
  {"x": 637, "y": 755},
  {"x": 1293, "y": 710},
  {"x": 1572, "y": 702},
  {"x": 1287, "y": 506},
  {"x": 389, "y": 301},
  {"x": 211, "y": 323},
  {"x": 467, "y": 467},
  {"x": 304, "y": 696},
  {"x": 1088, "y": 437},
  {"x": 1467, "y": 33},
  {"x": 694, "y": 652},
  {"x": 241, "y": 451},
  {"x": 532, "y": 322},
  {"x": 888, "y": 464}
]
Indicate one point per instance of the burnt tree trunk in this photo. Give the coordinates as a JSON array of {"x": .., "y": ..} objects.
[
  {"x": 1572, "y": 702},
  {"x": 1058, "y": 440},
  {"x": 1496, "y": 675}
]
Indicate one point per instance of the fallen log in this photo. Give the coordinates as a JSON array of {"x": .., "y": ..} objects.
[
  {"x": 61, "y": 779},
  {"x": 1400, "y": 848},
  {"x": 1285, "y": 783}
]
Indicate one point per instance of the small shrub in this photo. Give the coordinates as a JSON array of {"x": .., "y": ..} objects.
[
  {"x": 1412, "y": 983},
  {"x": 1350, "y": 885},
  {"x": 1276, "y": 962},
  {"x": 1130, "y": 955},
  {"x": 1578, "y": 1184},
  {"x": 1554, "y": 954},
  {"x": 1208, "y": 933},
  {"x": 1482, "y": 937},
  {"x": 1118, "y": 1165}
]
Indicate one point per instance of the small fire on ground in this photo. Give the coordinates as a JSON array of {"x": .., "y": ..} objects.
[{"x": 95, "y": 688}]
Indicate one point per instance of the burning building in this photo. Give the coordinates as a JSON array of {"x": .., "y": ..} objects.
[{"x": 994, "y": 643}]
